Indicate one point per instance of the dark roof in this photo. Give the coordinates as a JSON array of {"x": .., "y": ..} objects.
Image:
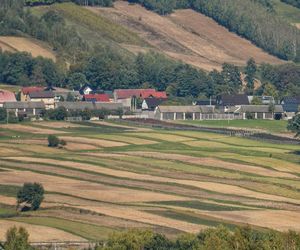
[
  {"x": 291, "y": 100},
  {"x": 232, "y": 100},
  {"x": 256, "y": 109},
  {"x": 206, "y": 102},
  {"x": 185, "y": 109},
  {"x": 153, "y": 102},
  {"x": 42, "y": 94},
  {"x": 89, "y": 105},
  {"x": 24, "y": 105}
]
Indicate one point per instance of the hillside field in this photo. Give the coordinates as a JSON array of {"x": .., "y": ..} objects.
[
  {"x": 31, "y": 46},
  {"x": 111, "y": 177}
]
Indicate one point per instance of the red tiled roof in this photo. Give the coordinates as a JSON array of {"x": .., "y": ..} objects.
[
  {"x": 143, "y": 93},
  {"x": 28, "y": 90},
  {"x": 97, "y": 98},
  {"x": 6, "y": 96}
]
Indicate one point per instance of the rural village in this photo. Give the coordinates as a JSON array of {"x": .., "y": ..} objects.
[{"x": 149, "y": 125}]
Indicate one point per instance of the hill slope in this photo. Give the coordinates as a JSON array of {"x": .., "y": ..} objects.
[
  {"x": 186, "y": 35},
  {"x": 21, "y": 44}
]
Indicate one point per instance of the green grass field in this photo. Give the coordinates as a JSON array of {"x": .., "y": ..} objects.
[
  {"x": 267, "y": 125},
  {"x": 171, "y": 181},
  {"x": 286, "y": 11}
]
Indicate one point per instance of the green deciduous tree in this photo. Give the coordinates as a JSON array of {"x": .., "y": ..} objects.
[
  {"x": 32, "y": 194},
  {"x": 294, "y": 125},
  {"x": 17, "y": 239},
  {"x": 250, "y": 72}
]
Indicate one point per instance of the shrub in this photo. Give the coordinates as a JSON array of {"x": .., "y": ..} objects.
[{"x": 53, "y": 141}]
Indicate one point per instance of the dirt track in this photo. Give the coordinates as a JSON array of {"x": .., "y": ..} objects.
[
  {"x": 187, "y": 36},
  {"x": 27, "y": 45}
]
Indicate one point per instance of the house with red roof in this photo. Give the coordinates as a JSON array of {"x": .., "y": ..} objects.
[
  {"x": 96, "y": 98},
  {"x": 6, "y": 96},
  {"x": 25, "y": 91},
  {"x": 129, "y": 97}
]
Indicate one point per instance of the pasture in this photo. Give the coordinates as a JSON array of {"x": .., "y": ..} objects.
[{"x": 110, "y": 177}]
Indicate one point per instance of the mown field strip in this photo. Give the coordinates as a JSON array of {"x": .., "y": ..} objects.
[
  {"x": 38, "y": 233},
  {"x": 213, "y": 162},
  {"x": 30, "y": 129},
  {"x": 96, "y": 142},
  {"x": 211, "y": 186}
]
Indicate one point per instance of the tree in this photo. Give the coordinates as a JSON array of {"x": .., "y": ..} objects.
[
  {"x": 53, "y": 141},
  {"x": 3, "y": 114},
  {"x": 250, "y": 72},
  {"x": 76, "y": 80},
  {"x": 17, "y": 239},
  {"x": 294, "y": 125},
  {"x": 32, "y": 194}
]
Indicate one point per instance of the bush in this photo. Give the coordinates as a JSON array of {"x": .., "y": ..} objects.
[
  {"x": 17, "y": 239},
  {"x": 53, "y": 141}
]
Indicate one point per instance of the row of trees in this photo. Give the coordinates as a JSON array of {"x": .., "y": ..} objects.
[{"x": 252, "y": 19}]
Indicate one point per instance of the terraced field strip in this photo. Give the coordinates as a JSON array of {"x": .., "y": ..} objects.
[
  {"x": 8, "y": 200},
  {"x": 125, "y": 139},
  {"x": 211, "y": 186},
  {"x": 59, "y": 124},
  {"x": 212, "y": 162},
  {"x": 96, "y": 142},
  {"x": 161, "y": 136},
  {"x": 117, "y": 125},
  {"x": 84, "y": 230},
  {"x": 38, "y": 233},
  {"x": 85, "y": 189},
  {"x": 277, "y": 219},
  {"x": 30, "y": 129}
]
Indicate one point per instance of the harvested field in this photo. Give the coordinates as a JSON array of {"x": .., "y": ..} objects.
[
  {"x": 130, "y": 128},
  {"x": 277, "y": 219},
  {"x": 84, "y": 189},
  {"x": 95, "y": 142},
  {"x": 58, "y": 125},
  {"x": 216, "y": 163},
  {"x": 30, "y": 129},
  {"x": 199, "y": 41},
  {"x": 148, "y": 179},
  {"x": 23, "y": 44},
  {"x": 38, "y": 233}
]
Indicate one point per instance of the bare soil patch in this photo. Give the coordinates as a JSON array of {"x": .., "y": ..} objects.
[
  {"x": 27, "y": 45},
  {"x": 38, "y": 233},
  {"x": 8, "y": 200}
]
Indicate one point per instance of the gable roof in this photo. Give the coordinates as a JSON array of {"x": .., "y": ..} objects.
[
  {"x": 258, "y": 109},
  {"x": 41, "y": 94},
  {"x": 232, "y": 100},
  {"x": 291, "y": 100},
  {"x": 185, "y": 109},
  {"x": 24, "y": 105},
  {"x": 7, "y": 96},
  {"x": 96, "y": 98},
  {"x": 28, "y": 90},
  {"x": 153, "y": 102},
  {"x": 89, "y": 105},
  {"x": 142, "y": 93}
]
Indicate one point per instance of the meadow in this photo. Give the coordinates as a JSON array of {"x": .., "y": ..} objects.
[{"x": 111, "y": 177}]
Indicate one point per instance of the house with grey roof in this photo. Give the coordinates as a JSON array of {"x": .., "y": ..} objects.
[{"x": 81, "y": 106}]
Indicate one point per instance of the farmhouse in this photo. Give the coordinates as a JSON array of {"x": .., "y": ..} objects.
[
  {"x": 129, "y": 97},
  {"x": 151, "y": 103},
  {"x": 25, "y": 91},
  {"x": 6, "y": 96},
  {"x": 43, "y": 96},
  {"x": 226, "y": 101},
  {"x": 183, "y": 112},
  {"x": 25, "y": 109}
]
